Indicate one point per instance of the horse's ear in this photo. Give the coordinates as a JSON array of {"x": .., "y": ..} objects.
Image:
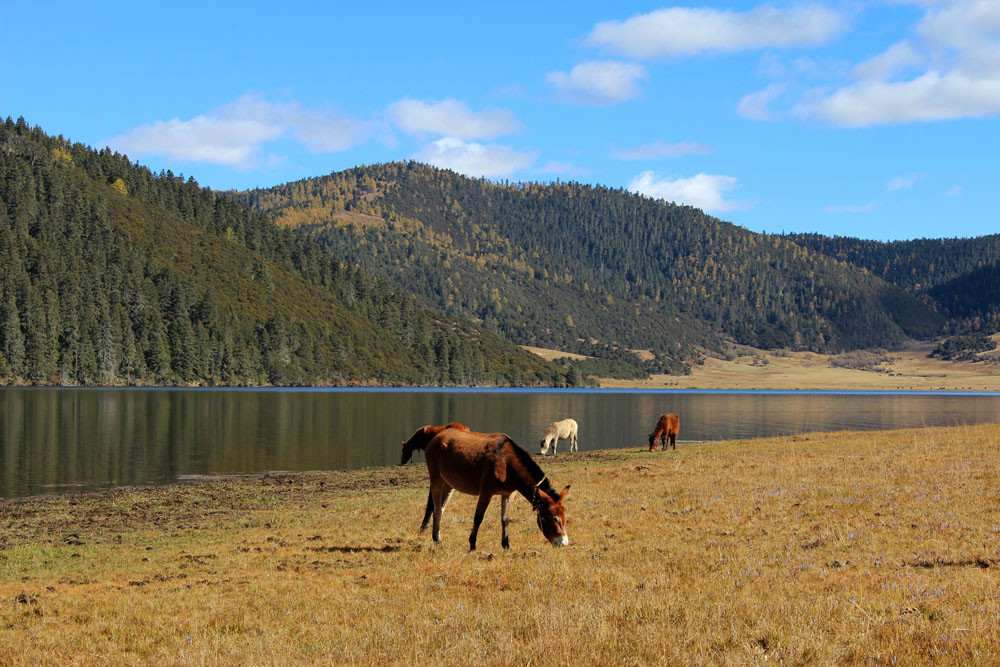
[
  {"x": 542, "y": 495},
  {"x": 562, "y": 495}
]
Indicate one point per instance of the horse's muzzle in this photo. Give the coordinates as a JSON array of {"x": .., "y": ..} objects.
[{"x": 561, "y": 541}]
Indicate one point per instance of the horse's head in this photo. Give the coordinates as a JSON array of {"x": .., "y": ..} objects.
[
  {"x": 551, "y": 516},
  {"x": 543, "y": 446},
  {"x": 418, "y": 440},
  {"x": 422, "y": 436},
  {"x": 652, "y": 436}
]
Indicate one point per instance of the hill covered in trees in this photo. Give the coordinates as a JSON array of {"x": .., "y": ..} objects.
[
  {"x": 567, "y": 265},
  {"x": 113, "y": 274},
  {"x": 961, "y": 276}
]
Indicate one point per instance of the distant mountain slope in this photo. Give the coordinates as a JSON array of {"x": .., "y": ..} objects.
[
  {"x": 112, "y": 274},
  {"x": 551, "y": 264},
  {"x": 961, "y": 275},
  {"x": 918, "y": 264}
]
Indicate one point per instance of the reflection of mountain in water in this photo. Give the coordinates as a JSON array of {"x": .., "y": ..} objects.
[{"x": 55, "y": 440}]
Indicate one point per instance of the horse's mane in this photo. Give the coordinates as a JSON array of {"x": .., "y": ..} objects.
[{"x": 524, "y": 458}]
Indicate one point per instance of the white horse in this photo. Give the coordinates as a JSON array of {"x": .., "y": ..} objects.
[{"x": 565, "y": 429}]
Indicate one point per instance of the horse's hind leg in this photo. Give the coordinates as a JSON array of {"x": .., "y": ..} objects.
[
  {"x": 504, "y": 520},
  {"x": 429, "y": 510},
  {"x": 575, "y": 447},
  {"x": 484, "y": 502},
  {"x": 441, "y": 492}
]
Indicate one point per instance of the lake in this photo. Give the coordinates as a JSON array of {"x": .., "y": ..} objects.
[{"x": 66, "y": 439}]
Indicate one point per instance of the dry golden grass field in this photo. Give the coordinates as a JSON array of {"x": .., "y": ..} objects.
[
  {"x": 749, "y": 368},
  {"x": 860, "y": 548}
]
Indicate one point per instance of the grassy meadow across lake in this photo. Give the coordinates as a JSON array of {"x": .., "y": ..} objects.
[{"x": 854, "y": 548}]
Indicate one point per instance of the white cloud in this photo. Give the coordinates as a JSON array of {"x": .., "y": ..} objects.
[
  {"x": 955, "y": 191},
  {"x": 704, "y": 191},
  {"x": 452, "y": 118},
  {"x": 851, "y": 208},
  {"x": 959, "y": 23},
  {"x": 930, "y": 97},
  {"x": 659, "y": 149},
  {"x": 902, "y": 182},
  {"x": 949, "y": 69},
  {"x": 896, "y": 59},
  {"x": 679, "y": 31},
  {"x": 322, "y": 131},
  {"x": 234, "y": 134},
  {"x": 599, "y": 83},
  {"x": 473, "y": 159}
]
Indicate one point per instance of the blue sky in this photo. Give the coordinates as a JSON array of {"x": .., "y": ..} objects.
[{"x": 878, "y": 119}]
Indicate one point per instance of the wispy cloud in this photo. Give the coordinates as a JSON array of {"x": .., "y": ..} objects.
[
  {"x": 564, "y": 168},
  {"x": 660, "y": 149},
  {"x": 902, "y": 182},
  {"x": 235, "y": 134},
  {"x": 704, "y": 191},
  {"x": 474, "y": 159},
  {"x": 758, "y": 105},
  {"x": 682, "y": 31},
  {"x": 956, "y": 191},
  {"x": 851, "y": 208},
  {"x": 599, "y": 83},
  {"x": 452, "y": 118}
]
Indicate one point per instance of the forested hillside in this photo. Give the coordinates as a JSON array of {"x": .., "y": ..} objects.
[
  {"x": 113, "y": 274},
  {"x": 557, "y": 264},
  {"x": 961, "y": 275}
]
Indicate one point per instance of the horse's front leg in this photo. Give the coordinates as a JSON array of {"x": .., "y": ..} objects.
[
  {"x": 484, "y": 501},
  {"x": 504, "y": 520}
]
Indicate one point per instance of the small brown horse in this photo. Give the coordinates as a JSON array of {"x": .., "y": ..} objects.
[
  {"x": 485, "y": 465},
  {"x": 666, "y": 428},
  {"x": 422, "y": 436}
]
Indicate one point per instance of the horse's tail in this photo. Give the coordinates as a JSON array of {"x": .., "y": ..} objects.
[{"x": 428, "y": 511}]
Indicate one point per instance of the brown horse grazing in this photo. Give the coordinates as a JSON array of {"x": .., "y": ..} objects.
[
  {"x": 666, "y": 428},
  {"x": 422, "y": 436},
  {"x": 485, "y": 465}
]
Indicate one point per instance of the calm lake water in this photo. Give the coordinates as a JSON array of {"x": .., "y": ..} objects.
[{"x": 56, "y": 440}]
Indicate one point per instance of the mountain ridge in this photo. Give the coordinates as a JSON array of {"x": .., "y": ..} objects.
[{"x": 549, "y": 264}]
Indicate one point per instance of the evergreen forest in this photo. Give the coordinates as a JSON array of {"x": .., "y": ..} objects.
[
  {"x": 405, "y": 274},
  {"x": 961, "y": 276},
  {"x": 113, "y": 275},
  {"x": 584, "y": 268}
]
